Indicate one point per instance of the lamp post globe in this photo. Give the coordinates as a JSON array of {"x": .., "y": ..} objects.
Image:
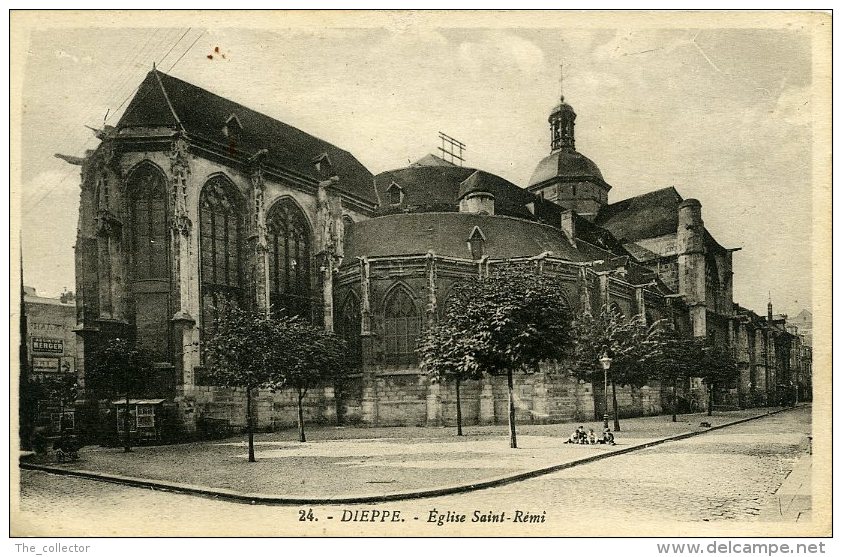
[{"x": 605, "y": 360}]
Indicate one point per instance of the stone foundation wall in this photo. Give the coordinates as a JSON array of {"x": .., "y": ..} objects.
[
  {"x": 407, "y": 398},
  {"x": 400, "y": 399},
  {"x": 643, "y": 401},
  {"x": 272, "y": 411}
]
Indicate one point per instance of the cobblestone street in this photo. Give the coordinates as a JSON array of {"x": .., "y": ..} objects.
[{"x": 728, "y": 475}]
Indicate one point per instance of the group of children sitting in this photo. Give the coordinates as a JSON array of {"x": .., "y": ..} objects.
[{"x": 580, "y": 437}]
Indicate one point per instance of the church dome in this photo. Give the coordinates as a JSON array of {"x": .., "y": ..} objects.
[
  {"x": 561, "y": 107},
  {"x": 566, "y": 165}
]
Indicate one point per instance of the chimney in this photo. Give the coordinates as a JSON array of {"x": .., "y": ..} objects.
[
  {"x": 568, "y": 225},
  {"x": 769, "y": 310}
]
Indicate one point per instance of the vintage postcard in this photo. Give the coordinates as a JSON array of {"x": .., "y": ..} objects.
[{"x": 420, "y": 273}]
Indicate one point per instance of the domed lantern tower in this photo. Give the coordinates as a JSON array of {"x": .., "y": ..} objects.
[{"x": 565, "y": 176}]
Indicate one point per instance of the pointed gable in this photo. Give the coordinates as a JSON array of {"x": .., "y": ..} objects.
[{"x": 149, "y": 107}]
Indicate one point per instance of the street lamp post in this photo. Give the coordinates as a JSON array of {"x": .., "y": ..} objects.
[{"x": 605, "y": 360}]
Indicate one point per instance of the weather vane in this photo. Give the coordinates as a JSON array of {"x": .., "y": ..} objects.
[{"x": 561, "y": 81}]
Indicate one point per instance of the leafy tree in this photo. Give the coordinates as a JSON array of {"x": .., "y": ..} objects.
[
  {"x": 671, "y": 356},
  {"x": 120, "y": 367},
  {"x": 717, "y": 366},
  {"x": 513, "y": 320},
  {"x": 63, "y": 389},
  {"x": 44, "y": 391},
  {"x": 241, "y": 352},
  {"x": 303, "y": 356},
  {"x": 447, "y": 355},
  {"x": 625, "y": 339}
]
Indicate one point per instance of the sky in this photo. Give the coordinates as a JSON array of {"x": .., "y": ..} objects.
[{"x": 724, "y": 115}]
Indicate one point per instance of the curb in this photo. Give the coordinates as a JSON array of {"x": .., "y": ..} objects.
[{"x": 265, "y": 499}]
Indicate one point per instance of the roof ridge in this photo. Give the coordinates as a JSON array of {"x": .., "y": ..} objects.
[
  {"x": 244, "y": 107},
  {"x": 646, "y": 194},
  {"x": 167, "y": 97},
  {"x": 414, "y": 168}
]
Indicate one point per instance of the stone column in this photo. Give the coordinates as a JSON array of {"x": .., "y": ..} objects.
[
  {"x": 540, "y": 404},
  {"x": 329, "y": 241},
  {"x": 432, "y": 301},
  {"x": 640, "y": 301},
  {"x": 604, "y": 289},
  {"x": 584, "y": 292},
  {"x": 369, "y": 398},
  {"x": 434, "y": 410},
  {"x": 259, "y": 239},
  {"x": 184, "y": 324},
  {"x": 690, "y": 243},
  {"x": 365, "y": 301},
  {"x": 486, "y": 402},
  {"x": 369, "y": 377}
]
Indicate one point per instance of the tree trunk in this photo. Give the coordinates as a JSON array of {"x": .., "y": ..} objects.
[
  {"x": 250, "y": 425},
  {"x": 458, "y": 410},
  {"x": 512, "y": 433},
  {"x": 614, "y": 404},
  {"x": 710, "y": 399},
  {"x": 301, "y": 417},
  {"x": 674, "y": 401},
  {"x": 127, "y": 429}
]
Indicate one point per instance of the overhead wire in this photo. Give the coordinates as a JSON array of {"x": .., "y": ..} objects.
[
  {"x": 186, "y": 51},
  {"x": 133, "y": 91},
  {"x": 138, "y": 55}
]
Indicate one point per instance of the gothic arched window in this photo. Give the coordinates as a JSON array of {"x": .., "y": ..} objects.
[
  {"x": 348, "y": 327},
  {"x": 148, "y": 213},
  {"x": 289, "y": 259},
  {"x": 221, "y": 246},
  {"x": 149, "y": 270},
  {"x": 712, "y": 282},
  {"x": 402, "y": 328}
]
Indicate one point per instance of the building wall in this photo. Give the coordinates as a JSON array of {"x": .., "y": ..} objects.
[
  {"x": 407, "y": 398},
  {"x": 50, "y": 339}
]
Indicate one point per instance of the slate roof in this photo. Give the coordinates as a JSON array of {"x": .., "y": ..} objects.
[
  {"x": 33, "y": 299},
  {"x": 640, "y": 253},
  {"x": 166, "y": 101},
  {"x": 649, "y": 215},
  {"x": 475, "y": 183},
  {"x": 447, "y": 234},
  {"x": 429, "y": 186},
  {"x": 432, "y": 160},
  {"x": 566, "y": 165},
  {"x": 439, "y": 188}
]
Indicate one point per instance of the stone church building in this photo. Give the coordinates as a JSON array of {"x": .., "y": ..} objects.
[{"x": 192, "y": 199}]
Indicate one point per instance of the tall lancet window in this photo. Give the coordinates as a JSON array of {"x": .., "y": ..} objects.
[
  {"x": 290, "y": 266},
  {"x": 148, "y": 223},
  {"x": 402, "y": 328},
  {"x": 149, "y": 268},
  {"x": 221, "y": 236},
  {"x": 348, "y": 327}
]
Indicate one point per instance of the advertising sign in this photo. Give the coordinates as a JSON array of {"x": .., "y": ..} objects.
[
  {"x": 47, "y": 345},
  {"x": 45, "y": 365}
]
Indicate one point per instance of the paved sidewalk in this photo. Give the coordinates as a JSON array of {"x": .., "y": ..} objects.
[
  {"x": 362, "y": 464},
  {"x": 793, "y": 501}
]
